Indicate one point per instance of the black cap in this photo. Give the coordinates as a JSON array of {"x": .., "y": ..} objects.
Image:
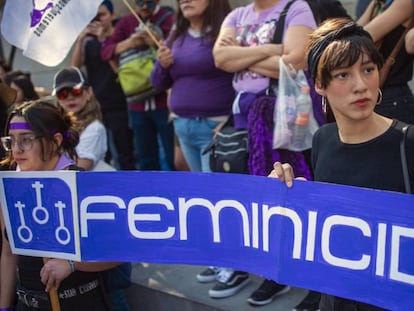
[{"x": 70, "y": 77}]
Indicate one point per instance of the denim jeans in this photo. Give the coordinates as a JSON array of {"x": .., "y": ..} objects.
[
  {"x": 194, "y": 135},
  {"x": 146, "y": 126}
]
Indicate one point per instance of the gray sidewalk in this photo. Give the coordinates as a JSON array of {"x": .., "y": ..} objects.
[{"x": 175, "y": 288}]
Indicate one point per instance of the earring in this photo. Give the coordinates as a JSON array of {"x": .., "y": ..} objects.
[
  {"x": 324, "y": 104},
  {"x": 379, "y": 97}
]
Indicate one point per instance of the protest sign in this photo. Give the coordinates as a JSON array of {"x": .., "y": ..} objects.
[
  {"x": 347, "y": 241},
  {"x": 46, "y": 29}
]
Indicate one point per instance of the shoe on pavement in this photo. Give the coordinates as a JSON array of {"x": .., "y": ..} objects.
[
  {"x": 267, "y": 291},
  {"x": 208, "y": 275},
  {"x": 229, "y": 282},
  {"x": 309, "y": 303}
]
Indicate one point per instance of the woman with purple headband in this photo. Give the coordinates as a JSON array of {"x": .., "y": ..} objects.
[
  {"x": 362, "y": 148},
  {"x": 41, "y": 138}
]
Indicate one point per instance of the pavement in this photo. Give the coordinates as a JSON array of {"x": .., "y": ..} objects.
[{"x": 174, "y": 287}]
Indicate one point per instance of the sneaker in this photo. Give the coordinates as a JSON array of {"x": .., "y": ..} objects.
[
  {"x": 309, "y": 303},
  {"x": 208, "y": 275},
  {"x": 228, "y": 283},
  {"x": 268, "y": 291}
]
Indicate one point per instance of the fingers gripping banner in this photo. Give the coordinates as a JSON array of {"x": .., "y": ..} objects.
[{"x": 347, "y": 241}]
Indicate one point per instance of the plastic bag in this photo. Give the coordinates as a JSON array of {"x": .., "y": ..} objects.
[{"x": 294, "y": 123}]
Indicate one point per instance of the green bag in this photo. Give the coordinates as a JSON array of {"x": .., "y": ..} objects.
[{"x": 134, "y": 70}]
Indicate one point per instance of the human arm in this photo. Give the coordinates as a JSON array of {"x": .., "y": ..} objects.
[
  {"x": 399, "y": 12},
  {"x": 409, "y": 41},
  {"x": 121, "y": 36},
  {"x": 8, "y": 265},
  {"x": 231, "y": 57},
  {"x": 54, "y": 271},
  {"x": 85, "y": 163},
  {"x": 92, "y": 145},
  {"x": 93, "y": 29},
  {"x": 292, "y": 53},
  {"x": 160, "y": 75}
]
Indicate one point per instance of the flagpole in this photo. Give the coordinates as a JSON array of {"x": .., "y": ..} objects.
[
  {"x": 141, "y": 22},
  {"x": 53, "y": 295}
]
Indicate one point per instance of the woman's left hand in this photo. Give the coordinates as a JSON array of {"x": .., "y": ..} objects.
[
  {"x": 54, "y": 271},
  {"x": 284, "y": 172}
]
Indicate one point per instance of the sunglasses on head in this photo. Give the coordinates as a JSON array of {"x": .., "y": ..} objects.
[
  {"x": 64, "y": 93},
  {"x": 150, "y": 4}
]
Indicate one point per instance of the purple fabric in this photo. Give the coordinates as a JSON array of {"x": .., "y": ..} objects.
[
  {"x": 198, "y": 88},
  {"x": 19, "y": 126},
  {"x": 262, "y": 155},
  {"x": 257, "y": 28},
  {"x": 241, "y": 109},
  {"x": 63, "y": 163}
]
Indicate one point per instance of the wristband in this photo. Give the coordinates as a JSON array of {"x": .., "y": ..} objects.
[{"x": 71, "y": 265}]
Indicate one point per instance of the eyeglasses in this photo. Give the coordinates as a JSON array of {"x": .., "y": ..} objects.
[
  {"x": 64, "y": 93},
  {"x": 150, "y": 4},
  {"x": 25, "y": 143}
]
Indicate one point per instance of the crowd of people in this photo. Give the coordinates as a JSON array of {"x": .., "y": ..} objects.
[{"x": 210, "y": 63}]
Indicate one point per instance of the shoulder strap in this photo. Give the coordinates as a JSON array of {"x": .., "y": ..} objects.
[
  {"x": 277, "y": 37},
  {"x": 159, "y": 21},
  {"x": 403, "y": 127},
  {"x": 389, "y": 62},
  {"x": 280, "y": 26}
]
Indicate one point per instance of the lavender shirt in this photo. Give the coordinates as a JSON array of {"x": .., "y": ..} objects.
[{"x": 253, "y": 29}]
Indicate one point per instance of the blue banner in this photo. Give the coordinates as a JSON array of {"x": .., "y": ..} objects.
[{"x": 347, "y": 241}]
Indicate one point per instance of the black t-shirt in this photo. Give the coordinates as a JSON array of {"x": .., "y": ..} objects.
[
  {"x": 102, "y": 78},
  {"x": 373, "y": 164}
]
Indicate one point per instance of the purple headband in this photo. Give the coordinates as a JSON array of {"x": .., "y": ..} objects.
[{"x": 19, "y": 126}]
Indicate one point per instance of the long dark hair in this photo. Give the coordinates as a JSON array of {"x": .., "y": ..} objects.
[
  {"x": 213, "y": 16},
  {"x": 45, "y": 120},
  {"x": 24, "y": 82}
]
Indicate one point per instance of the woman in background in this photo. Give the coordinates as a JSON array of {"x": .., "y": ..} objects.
[{"x": 74, "y": 95}]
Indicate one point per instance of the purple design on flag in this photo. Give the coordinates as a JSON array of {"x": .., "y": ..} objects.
[{"x": 36, "y": 15}]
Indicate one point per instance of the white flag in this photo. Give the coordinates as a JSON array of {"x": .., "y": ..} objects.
[{"x": 46, "y": 29}]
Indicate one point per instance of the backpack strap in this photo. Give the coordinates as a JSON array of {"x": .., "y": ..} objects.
[
  {"x": 280, "y": 26},
  {"x": 159, "y": 21},
  {"x": 403, "y": 127}
]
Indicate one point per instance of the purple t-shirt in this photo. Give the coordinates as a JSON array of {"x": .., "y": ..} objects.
[
  {"x": 257, "y": 28},
  {"x": 198, "y": 88}
]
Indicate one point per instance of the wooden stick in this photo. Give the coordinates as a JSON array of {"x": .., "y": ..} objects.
[
  {"x": 53, "y": 295},
  {"x": 141, "y": 22}
]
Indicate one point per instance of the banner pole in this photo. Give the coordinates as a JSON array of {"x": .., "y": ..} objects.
[
  {"x": 147, "y": 29},
  {"x": 53, "y": 295}
]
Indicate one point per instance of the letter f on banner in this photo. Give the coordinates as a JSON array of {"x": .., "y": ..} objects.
[{"x": 46, "y": 29}]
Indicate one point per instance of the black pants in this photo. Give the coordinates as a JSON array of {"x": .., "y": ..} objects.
[{"x": 116, "y": 122}]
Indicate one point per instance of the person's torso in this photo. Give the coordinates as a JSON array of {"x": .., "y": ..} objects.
[
  {"x": 200, "y": 89},
  {"x": 258, "y": 28},
  {"x": 102, "y": 78},
  {"x": 373, "y": 164}
]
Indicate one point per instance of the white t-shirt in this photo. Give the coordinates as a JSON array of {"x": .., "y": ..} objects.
[{"x": 92, "y": 143}]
